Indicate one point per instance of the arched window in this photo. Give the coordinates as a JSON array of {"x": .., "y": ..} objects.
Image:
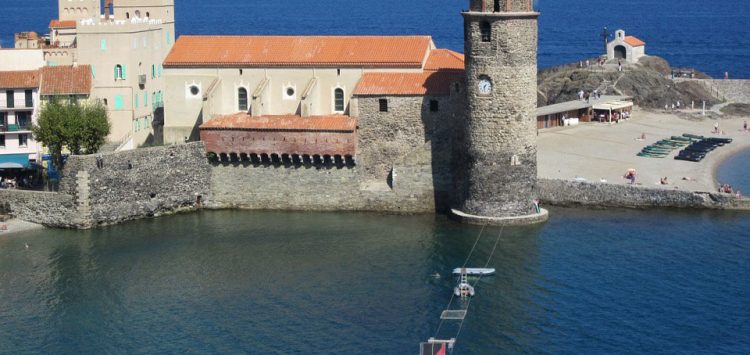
[
  {"x": 242, "y": 99},
  {"x": 486, "y": 29},
  {"x": 138, "y": 13},
  {"x": 119, "y": 72},
  {"x": 127, "y": 15},
  {"x": 338, "y": 100},
  {"x": 148, "y": 15}
]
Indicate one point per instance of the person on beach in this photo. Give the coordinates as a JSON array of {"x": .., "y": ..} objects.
[
  {"x": 726, "y": 75},
  {"x": 664, "y": 181},
  {"x": 744, "y": 126},
  {"x": 580, "y": 95},
  {"x": 716, "y": 127},
  {"x": 619, "y": 65}
]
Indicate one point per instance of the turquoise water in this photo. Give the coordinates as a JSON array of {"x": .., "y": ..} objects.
[
  {"x": 589, "y": 281},
  {"x": 736, "y": 172}
]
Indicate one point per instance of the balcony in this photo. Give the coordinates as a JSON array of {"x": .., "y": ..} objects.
[
  {"x": 15, "y": 128},
  {"x": 142, "y": 79}
]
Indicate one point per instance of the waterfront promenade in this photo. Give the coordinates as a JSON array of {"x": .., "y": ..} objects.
[{"x": 596, "y": 151}]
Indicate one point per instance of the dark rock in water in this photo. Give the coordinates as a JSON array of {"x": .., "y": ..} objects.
[{"x": 648, "y": 82}]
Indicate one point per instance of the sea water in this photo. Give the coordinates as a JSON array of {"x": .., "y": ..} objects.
[
  {"x": 711, "y": 36},
  {"x": 735, "y": 171},
  {"x": 589, "y": 281}
]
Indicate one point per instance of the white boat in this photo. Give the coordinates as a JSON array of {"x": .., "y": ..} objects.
[{"x": 474, "y": 271}]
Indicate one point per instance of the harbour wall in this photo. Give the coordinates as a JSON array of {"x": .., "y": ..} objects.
[
  {"x": 411, "y": 188},
  {"x": 47, "y": 208},
  {"x": 586, "y": 194},
  {"x": 156, "y": 181},
  {"x": 137, "y": 184}
]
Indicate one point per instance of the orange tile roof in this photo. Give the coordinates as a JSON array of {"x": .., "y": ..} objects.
[
  {"x": 19, "y": 79},
  {"x": 633, "y": 41},
  {"x": 433, "y": 83},
  {"x": 62, "y": 24},
  {"x": 243, "y": 121},
  {"x": 443, "y": 68},
  {"x": 66, "y": 80},
  {"x": 444, "y": 59},
  {"x": 299, "y": 51}
]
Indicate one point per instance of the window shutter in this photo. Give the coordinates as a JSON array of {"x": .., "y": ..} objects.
[
  {"x": 123, "y": 72},
  {"x": 116, "y": 73}
]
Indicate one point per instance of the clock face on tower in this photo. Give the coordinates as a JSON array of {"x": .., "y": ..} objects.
[{"x": 485, "y": 85}]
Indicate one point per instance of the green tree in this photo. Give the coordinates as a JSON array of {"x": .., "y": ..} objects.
[{"x": 82, "y": 128}]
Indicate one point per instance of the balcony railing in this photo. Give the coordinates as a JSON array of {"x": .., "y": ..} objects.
[{"x": 15, "y": 127}]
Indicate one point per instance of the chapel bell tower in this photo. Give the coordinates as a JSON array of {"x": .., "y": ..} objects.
[{"x": 497, "y": 162}]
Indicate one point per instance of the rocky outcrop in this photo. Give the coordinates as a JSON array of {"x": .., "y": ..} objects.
[{"x": 647, "y": 82}]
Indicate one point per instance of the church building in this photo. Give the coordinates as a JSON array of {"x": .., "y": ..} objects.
[{"x": 628, "y": 48}]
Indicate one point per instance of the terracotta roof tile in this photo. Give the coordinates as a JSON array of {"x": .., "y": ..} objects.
[
  {"x": 66, "y": 80},
  {"x": 428, "y": 83},
  {"x": 444, "y": 59},
  {"x": 299, "y": 51},
  {"x": 243, "y": 121},
  {"x": 19, "y": 79},
  {"x": 633, "y": 41},
  {"x": 62, "y": 24}
]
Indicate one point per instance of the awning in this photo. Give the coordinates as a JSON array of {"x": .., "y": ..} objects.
[
  {"x": 14, "y": 161},
  {"x": 613, "y": 105}
]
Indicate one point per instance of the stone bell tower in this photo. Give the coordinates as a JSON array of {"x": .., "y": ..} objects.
[{"x": 497, "y": 162}]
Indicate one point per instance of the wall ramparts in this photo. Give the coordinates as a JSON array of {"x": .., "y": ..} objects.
[
  {"x": 46, "y": 208},
  {"x": 573, "y": 193}
]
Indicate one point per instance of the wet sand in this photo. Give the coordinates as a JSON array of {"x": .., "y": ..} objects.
[
  {"x": 15, "y": 226},
  {"x": 595, "y": 151}
]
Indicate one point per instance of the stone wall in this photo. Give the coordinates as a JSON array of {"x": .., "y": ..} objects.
[
  {"x": 46, "y": 208},
  {"x": 138, "y": 183},
  {"x": 315, "y": 188},
  {"x": 572, "y": 193},
  {"x": 736, "y": 91}
]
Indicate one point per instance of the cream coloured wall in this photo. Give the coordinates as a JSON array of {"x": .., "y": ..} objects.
[
  {"x": 78, "y": 9},
  {"x": 139, "y": 47},
  {"x": 21, "y": 59},
  {"x": 183, "y": 110}
]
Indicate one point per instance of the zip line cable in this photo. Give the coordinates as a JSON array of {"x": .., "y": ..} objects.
[{"x": 453, "y": 295}]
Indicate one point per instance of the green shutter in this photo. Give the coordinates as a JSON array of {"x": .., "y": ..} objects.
[
  {"x": 104, "y": 44},
  {"x": 93, "y": 72},
  {"x": 123, "y": 72},
  {"x": 160, "y": 69},
  {"x": 169, "y": 38},
  {"x": 118, "y": 102},
  {"x": 116, "y": 73},
  {"x": 135, "y": 101},
  {"x": 145, "y": 99}
]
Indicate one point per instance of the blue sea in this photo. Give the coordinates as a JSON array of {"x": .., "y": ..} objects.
[
  {"x": 588, "y": 282},
  {"x": 711, "y": 36}
]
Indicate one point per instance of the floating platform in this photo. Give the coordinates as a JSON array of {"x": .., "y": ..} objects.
[
  {"x": 453, "y": 314},
  {"x": 474, "y": 271}
]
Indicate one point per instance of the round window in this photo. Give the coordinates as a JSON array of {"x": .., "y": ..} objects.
[
  {"x": 290, "y": 92},
  {"x": 194, "y": 90}
]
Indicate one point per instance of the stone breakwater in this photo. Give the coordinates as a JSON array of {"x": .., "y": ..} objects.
[
  {"x": 152, "y": 182},
  {"x": 586, "y": 194}
]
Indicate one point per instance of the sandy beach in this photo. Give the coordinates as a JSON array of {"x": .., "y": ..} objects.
[
  {"x": 15, "y": 226},
  {"x": 596, "y": 151}
]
